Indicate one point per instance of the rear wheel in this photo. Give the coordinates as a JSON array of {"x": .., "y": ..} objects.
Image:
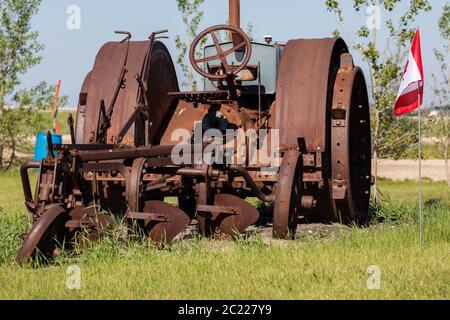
[
  {"x": 322, "y": 97},
  {"x": 351, "y": 146}
]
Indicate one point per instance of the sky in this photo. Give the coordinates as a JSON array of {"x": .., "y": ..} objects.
[{"x": 69, "y": 53}]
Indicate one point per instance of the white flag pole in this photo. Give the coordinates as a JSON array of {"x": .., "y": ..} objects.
[{"x": 420, "y": 167}]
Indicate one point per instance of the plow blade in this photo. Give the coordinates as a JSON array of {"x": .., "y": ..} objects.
[
  {"x": 166, "y": 221},
  {"x": 230, "y": 214},
  {"x": 46, "y": 236}
]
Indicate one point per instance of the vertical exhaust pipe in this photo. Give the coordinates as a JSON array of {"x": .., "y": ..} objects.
[
  {"x": 234, "y": 19},
  {"x": 235, "y": 13}
]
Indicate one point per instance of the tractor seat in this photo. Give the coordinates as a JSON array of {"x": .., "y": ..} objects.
[
  {"x": 249, "y": 73},
  {"x": 204, "y": 97}
]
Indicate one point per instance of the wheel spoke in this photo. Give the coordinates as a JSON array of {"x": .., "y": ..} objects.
[
  {"x": 235, "y": 48},
  {"x": 216, "y": 43},
  {"x": 226, "y": 65},
  {"x": 207, "y": 59},
  {"x": 219, "y": 50}
]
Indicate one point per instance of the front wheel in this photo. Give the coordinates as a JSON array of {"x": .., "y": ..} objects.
[{"x": 288, "y": 196}]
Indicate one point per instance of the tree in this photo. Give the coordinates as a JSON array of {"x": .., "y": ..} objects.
[
  {"x": 26, "y": 118},
  {"x": 191, "y": 16},
  {"x": 441, "y": 89},
  {"x": 19, "y": 50},
  {"x": 391, "y": 136}
]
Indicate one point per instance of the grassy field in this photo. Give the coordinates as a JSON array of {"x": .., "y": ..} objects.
[
  {"x": 316, "y": 266},
  {"x": 429, "y": 151}
]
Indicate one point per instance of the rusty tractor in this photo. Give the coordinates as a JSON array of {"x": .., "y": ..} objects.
[{"x": 307, "y": 96}]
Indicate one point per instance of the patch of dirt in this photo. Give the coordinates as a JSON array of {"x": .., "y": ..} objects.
[
  {"x": 315, "y": 231},
  {"x": 409, "y": 170},
  {"x": 322, "y": 230}
]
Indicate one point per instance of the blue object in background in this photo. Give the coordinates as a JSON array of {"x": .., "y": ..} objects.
[{"x": 40, "y": 150}]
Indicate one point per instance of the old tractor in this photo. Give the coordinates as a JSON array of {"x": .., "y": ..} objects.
[{"x": 306, "y": 97}]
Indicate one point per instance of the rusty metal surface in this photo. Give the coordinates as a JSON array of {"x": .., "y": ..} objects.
[
  {"x": 288, "y": 196},
  {"x": 46, "y": 235},
  {"x": 81, "y": 110},
  {"x": 187, "y": 117},
  {"x": 89, "y": 219},
  {"x": 350, "y": 139},
  {"x": 87, "y": 224},
  {"x": 105, "y": 167},
  {"x": 135, "y": 185},
  {"x": 174, "y": 222},
  {"x": 200, "y": 96},
  {"x": 232, "y": 214},
  {"x": 250, "y": 183},
  {"x": 162, "y": 79},
  {"x": 159, "y": 77},
  {"x": 83, "y": 147},
  {"x": 204, "y": 198},
  {"x": 234, "y": 7},
  {"x": 304, "y": 91},
  {"x": 26, "y": 179},
  {"x": 103, "y": 81},
  {"x": 184, "y": 118},
  {"x": 130, "y": 153}
]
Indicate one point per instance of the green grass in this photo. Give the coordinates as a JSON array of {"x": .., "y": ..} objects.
[
  {"x": 406, "y": 193},
  {"x": 312, "y": 267},
  {"x": 429, "y": 152}
]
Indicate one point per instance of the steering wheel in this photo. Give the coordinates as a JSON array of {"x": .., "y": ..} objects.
[{"x": 243, "y": 44}]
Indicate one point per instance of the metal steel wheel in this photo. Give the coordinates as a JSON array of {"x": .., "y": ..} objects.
[
  {"x": 154, "y": 66},
  {"x": 351, "y": 145},
  {"x": 134, "y": 186},
  {"x": 46, "y": 236},
  {"x": 288, "y": 196}
]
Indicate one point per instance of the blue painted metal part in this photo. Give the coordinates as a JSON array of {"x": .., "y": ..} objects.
[{"x": 41, "y": 151}]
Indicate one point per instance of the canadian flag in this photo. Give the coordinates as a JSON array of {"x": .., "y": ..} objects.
[{"x": 412, "y": 82}]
